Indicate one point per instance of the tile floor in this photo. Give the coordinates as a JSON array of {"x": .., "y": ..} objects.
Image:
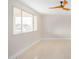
[{"x": 49, "y": 49}]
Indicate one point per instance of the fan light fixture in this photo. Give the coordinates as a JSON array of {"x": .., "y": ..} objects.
[{"x": 62, "y": 5}]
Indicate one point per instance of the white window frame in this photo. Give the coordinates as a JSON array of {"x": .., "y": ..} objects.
[{"x": 14, "y": 25}]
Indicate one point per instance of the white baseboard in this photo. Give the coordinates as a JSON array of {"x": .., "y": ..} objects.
[
  {"x": 23, "y": 50},
  {"x": 56, "y": 38}
]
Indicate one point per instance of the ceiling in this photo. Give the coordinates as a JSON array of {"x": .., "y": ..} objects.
[{"x": 41, "y": 6}]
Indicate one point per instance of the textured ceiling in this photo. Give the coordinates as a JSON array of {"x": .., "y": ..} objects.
[{"x": 42, "y": 6}]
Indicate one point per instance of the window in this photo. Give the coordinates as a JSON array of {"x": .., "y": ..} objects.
[{"x": 23, "y": 21}]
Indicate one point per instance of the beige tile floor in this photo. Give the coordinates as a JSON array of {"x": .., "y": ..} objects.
[{"x": 49, "y": 49}]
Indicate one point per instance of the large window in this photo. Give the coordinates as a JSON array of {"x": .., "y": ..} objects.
[{"x": 23, "y": 21}]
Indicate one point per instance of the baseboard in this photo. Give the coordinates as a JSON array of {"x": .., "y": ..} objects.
[
  {"x": 56, "y": 38},
  {"x": 25, "y": 49},
  {"x": 66, "y": 36}
]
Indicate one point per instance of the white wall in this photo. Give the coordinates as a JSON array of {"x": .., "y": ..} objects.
[
  {"x": 57, "y": 26},
  {"x": 20, "y": 41}
]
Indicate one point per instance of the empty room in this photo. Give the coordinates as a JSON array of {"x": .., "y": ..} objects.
[{"x": 39, "y": 29}]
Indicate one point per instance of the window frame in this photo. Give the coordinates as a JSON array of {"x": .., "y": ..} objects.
[{"x": 14, "y": 25}]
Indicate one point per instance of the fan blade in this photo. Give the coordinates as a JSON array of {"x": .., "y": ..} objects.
[
  {"x": 66, "y": 9},
  {"x": 65, "y": 2},
  {"x": 55, "y": 7}
]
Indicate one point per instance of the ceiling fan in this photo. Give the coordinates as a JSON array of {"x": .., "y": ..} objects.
[{"x": 62, "y": 5}]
